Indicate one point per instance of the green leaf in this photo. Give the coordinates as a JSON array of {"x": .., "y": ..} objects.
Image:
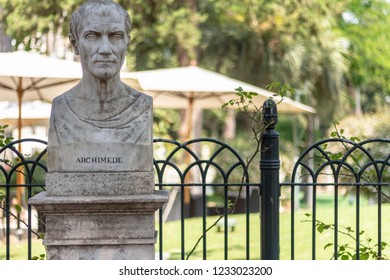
[
  {"x": 364, "y": 256},
  {"x": 8, "y": 140},
  {"x": 320, "y": 228},
  {"x": 239, "y": 89},
  {"x": 342, "y": 248},
  {"x": 35, "y": 258},
  {"x": 18, "y": 208},
  {"x": 327, "y": 226},
  {"x": 345, "y": 257},
  {"x": 328, "y": 245},
  {"x": 349, "y": 229},
  {"x": 355, "y": 139},
  {"x": 336, "y": 156}
]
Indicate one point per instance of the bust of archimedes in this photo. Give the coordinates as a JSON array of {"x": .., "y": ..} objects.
[{"x": 101, "y": 108}]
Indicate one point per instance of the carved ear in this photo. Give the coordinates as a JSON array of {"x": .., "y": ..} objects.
[{"x": 73, "y": 41}]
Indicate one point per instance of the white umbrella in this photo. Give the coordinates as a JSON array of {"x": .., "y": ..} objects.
[
  {"x": 33, "y": 113},
  {"x": 27, "y": 76},
  {"x": 177, "y": 87},
  {"x": 193, "y": 87}
]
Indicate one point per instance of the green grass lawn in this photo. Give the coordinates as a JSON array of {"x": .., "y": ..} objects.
[
  {"x": 18, "y": 249},
  {"x": 236, "y": 239},
  {"x": 303, "y": 233}
]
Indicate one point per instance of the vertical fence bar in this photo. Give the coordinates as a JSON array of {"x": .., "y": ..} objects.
[
  {"x": 247, "y": 221},
  {"x": 204, "y": 220},
  {"x": 225, "y": 224},
  {"x": 29, "y": 224},
  {"x": 292, "y": 222},
  {"x": 182, "y": 223},
  {"x": 7, "y": 220},
  {"x": 357, "y": 222},
  {"x": 379, "y": 222},
  {"x": 336, "y": 220},
  {"x": 314, "y": 215},
  {"x": 160, "y": 228},
  {"x": 270, "y": 186}
]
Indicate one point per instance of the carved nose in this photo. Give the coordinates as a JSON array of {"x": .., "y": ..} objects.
[{"x": 105, "y": 49}]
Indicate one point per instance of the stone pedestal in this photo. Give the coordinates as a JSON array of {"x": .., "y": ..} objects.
[{"x": 99, "y": 216}]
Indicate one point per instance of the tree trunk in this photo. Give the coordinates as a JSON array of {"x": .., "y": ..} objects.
[{"x": 5, "y": 41}]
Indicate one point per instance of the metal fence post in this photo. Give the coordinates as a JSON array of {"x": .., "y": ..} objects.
[{"x": 270, "y": 186}]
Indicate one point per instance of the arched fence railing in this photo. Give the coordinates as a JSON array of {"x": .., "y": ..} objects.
[
  {"x": 347, "y": 167},
  {"x": 201, "y": 164},
  {"x": 19, "y": 172}
]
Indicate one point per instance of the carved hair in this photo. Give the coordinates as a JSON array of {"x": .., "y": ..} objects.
[{"x": 89, "y": 7}]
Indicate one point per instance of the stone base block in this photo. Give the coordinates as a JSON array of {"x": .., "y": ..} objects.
[
  {"x": 102, "y": 252},
  {"x": 100, "y": 184},
  {"x": 94, "y": 227}
]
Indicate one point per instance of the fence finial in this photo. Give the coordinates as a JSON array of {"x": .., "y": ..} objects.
[{"x": 270, "y": 113}]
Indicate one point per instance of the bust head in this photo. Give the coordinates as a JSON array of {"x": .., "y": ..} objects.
[{"x": 100, "y": 34}]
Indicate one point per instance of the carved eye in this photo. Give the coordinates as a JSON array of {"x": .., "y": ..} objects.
[
  {"x": 91, "y": 36},
  {"x": 117, "y": 36}
]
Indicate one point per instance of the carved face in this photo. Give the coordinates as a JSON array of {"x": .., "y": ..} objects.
[{"x": 102, "y": 43}]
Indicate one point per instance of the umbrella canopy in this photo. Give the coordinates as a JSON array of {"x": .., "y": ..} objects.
[
  {"x": 35, "y": 76},
  {"x": 26, "y": 76},
  {"x": 34, "y": 113},
  {"x": 182, "y": 87}
]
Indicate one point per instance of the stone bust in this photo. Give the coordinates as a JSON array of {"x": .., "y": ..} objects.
[{"x": 100, "y": 108}]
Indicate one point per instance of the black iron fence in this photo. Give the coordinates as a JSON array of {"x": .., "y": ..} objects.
[
  {"x": 192, "y": 169},
  {"x": 347, "y": 167},
  {"x": 21, "y": 176}
]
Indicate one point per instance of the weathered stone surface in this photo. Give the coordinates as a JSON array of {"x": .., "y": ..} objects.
[
  {"x": 99, "y": 183},
  {"x": 94, "y": 227},
  {"x": 103, "y": 252},
  {"x": 104, "y": 157},
  {"x": 99, "y": 227},
  {"x": 99, "y": 204}
]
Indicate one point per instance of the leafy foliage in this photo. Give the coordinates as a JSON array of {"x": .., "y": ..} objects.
[
  {"x": 345, "y": 251},
  {"x": 366, "y": 24},
  {"x": 358, "y": 161},
  {"x": 4, "y": 140}
]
